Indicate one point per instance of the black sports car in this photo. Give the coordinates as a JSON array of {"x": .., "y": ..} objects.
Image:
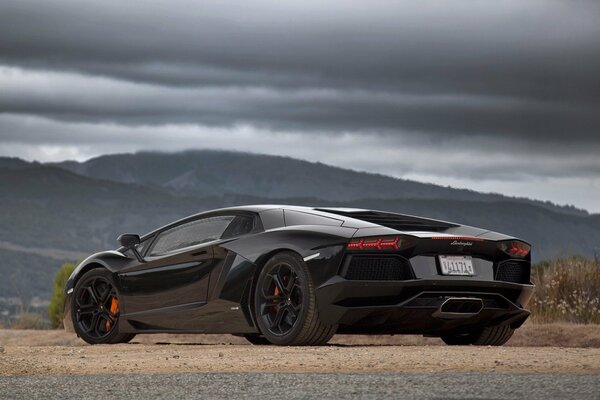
[{"x": 298, "y": 275}]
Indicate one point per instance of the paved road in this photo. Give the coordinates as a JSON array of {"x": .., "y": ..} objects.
[{"x": 439, "y": 385}]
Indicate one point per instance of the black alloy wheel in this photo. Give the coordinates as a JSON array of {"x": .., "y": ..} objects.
[
  {"x": 488, "y": 336},
  {"x": 96, "y": 309},
  {"x": 285, "y": 303},
  {"x": 280, "y": 299}
]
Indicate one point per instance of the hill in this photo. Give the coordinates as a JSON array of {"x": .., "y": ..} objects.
[
  {"x": 51, "y": 212},
  {"x": 215, "y": 173},
  {"x": 49, "y": 207}
]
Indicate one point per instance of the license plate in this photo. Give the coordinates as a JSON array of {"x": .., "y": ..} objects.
[{"x": 457, "y": 265}]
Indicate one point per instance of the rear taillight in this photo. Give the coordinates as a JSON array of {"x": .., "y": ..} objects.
[
  {"x": 515, "y": 248},
  {"x": 377, "y": 243}
]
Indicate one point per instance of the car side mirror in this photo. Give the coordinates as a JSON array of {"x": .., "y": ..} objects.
[{"x": 130, "y": 241}]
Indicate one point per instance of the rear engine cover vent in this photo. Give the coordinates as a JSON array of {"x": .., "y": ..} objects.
[
  {"x": 513, "y": 271},
  {"x": 374, "y": 268},
  {"x": 395, "y": 221}
]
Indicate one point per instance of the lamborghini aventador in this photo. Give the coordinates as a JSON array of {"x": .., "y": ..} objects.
[{"x": 291, "y": 275}]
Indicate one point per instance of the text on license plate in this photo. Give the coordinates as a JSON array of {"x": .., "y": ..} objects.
[{"x": 456, "y": 265}]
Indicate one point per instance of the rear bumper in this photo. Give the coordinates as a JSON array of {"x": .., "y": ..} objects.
[{"x": 415, "y": 306}]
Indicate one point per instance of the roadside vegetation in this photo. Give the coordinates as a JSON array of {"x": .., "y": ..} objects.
[
  {"x": 57, "y": 301},
  {"x": 567, "y": 290},
  {"x": 29, "y": 320}
]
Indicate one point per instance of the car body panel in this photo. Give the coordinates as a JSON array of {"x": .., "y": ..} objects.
[{"x": 207, "y": 288}]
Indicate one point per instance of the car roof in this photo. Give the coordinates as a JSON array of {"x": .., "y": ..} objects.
[
  {"x": 265, "y": 207},
  {"x": 365, "y": 216},
  {"x": 359, "y": 217}
]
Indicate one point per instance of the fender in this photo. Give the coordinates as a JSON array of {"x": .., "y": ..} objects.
[
  {"x": 322, "y": 250},
  {"x": 303, "y": 239},
  {"x": 112, "y": 260}
]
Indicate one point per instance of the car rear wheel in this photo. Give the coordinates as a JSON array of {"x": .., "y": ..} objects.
[
  {"x": 95, "y": 309},
  {"x": 488, "y": 336},
  {"x": 285, "y": 304}
]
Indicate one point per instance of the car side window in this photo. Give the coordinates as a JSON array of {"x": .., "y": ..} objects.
[
  {"x": 241, "y": 225},
  {"x": 190, "y": 234},
  {"x": 143, "y": 245}
]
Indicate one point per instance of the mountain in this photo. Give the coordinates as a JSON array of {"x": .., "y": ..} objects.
[
  {"x": 207, "y": 172},
  {"x": 54, "y": 212},
  {"x": 13, "y": 163},
  {"x": 215, "y": 173},
  {"x": 49, "y": 207}
]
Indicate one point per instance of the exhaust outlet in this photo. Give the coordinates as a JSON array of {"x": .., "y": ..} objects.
[{"x": 459, "y": 307}]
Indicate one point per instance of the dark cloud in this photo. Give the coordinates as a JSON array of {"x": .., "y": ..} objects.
[
  {"x": 517, "y": 67},
  {"x": 516, "y": 81},
  {"x": 72, "y": 97}
]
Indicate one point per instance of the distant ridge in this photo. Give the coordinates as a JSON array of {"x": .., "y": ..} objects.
[
  {"x": 211, "y": 172},
  {"x": 79, "y": 208}
]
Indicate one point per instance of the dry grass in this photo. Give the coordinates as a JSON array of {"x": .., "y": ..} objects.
[
  {"x": 567, "y": 290},
  {"x": 28, "y": 320}
]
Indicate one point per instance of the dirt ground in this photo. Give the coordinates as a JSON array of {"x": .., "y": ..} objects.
[
  {"x": 568, "y": 348},
  {"x": 530, "y": 335}
]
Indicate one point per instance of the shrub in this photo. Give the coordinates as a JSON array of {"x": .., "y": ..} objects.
[
  {"x": 57, "y": 301},
  {"x": 28, "y": 320},
  {"x": 567, "y": 289}
]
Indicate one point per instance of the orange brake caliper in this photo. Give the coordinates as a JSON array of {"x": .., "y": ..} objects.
[
  {"x": 114, "y": 309},
  {"x": 276, "y": 294}
]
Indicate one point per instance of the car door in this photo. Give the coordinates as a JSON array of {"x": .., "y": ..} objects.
[{"x": 176, "y": 270}]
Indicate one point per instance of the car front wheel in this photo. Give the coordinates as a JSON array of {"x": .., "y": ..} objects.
[{"x": 95, "y": 309}]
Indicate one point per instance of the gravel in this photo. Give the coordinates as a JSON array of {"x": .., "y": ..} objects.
[
  {"x": 180, "y": 358},
  {"x": 307, "y": 385}
]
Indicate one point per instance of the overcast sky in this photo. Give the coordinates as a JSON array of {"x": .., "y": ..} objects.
[{"x": 499, "y": 96}]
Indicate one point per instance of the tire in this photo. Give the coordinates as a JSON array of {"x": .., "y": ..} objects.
[
  {"x": 256, "y": 339},
  {"x": 95, "y": 309},
  {"x": 459, "y": 339},
  {"x": 488, "y": 336},
  {"x": 285, "y": 304}
]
